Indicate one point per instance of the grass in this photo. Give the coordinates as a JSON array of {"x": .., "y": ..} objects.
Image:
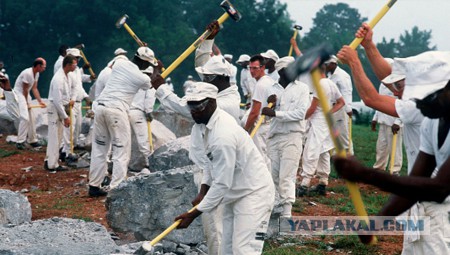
[
  {"x": 5, "y": 153},
  {"x": 364, "y": 142}
]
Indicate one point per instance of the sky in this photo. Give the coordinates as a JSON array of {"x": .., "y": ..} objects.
[{"x": 404, "y": 15}]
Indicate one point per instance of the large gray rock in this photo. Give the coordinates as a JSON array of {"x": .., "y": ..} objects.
[
  {"x": 171, "y": 155},
  {"x": 14, "y": 208},
  {"x": 147, "y": 205},
  {"x": 57, "y": 236},
  {"x": 178, "y": 124},
  {"x": 160, "y": 135}
]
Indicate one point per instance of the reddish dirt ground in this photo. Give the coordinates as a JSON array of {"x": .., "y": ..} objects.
[{"x": 64, "y": 194}]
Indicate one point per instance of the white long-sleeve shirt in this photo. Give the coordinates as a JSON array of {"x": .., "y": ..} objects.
[
  {"x": 77, "y": 92},
  {"x": 59, "y": 92},
  {"x": 101, "y": 81},
  {"x": 144, "y": 100},
  {"x": 237, "y": 167},
  {"x": 344, "y": 83},
  {"x": 58, "y": 64},
  {"x": 290, "y": 110},
  {"x": 125, "y": 81}
]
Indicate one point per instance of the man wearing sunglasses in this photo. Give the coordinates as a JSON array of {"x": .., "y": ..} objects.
[
  {"x": 238, "y": 178},
  {"x": 216, "y": 71}
]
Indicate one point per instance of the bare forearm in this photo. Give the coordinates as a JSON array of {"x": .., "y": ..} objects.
[{"x": 380, "y": 67}]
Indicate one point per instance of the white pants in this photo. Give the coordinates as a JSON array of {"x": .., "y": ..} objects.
[
  {"x": 139, "y": 126},
  {"x": 211, "y": 223},
  {"x": 260, "y": 140},
  {"x": 55, "y": 129},
  {"x": 76, "y": 121},
  {"x": 285, "y": 151},
  {"x": 342, "y": 124},
  {"x": 384, "y": 148},
  {"x": 27, "y": 127},
  {"x": 438, "y": 242},
  {"x": 245, "y": 223},
  {"x": 112, "y": 127}
]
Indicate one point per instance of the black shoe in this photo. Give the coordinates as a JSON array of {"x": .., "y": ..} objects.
[
  {"x": 62, "y": 156},
  {"x": 58, "y": 169},
  {"x": 20, "y": 146},
  {"x": 36, "y": 144},
  {"x": 319, "y": 190},
  {"x": 301, "y": 191},
  {"x": 46, "y": 165},
  {"x": 96, "y": 192},
  {"x": 110, "y": 167}
]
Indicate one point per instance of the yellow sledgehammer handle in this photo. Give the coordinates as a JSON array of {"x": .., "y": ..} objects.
[
  {"x": 355, "y": 195},
  {"x": 291, "y": 48},
  {"x": 139, "y": 42},
  {"x": 148, "y": 245},
  {"x": 258, "y": 124},
  {"x": 191, "y": 48},
  {"x": 150, "y": 138},
  {"x": 374, "y": 21},
  {"x": 87, "y": 62},
  {"x": 392, "y": 159}
]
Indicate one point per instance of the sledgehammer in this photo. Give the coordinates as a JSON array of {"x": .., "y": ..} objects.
[
  {"x": 147, "y": 247},
  {"x": 296, "y": 29},
  {"x": 230, "y": 11},
  {"x": 123, "y": 22},
  {"x": 311, "y": 61}
]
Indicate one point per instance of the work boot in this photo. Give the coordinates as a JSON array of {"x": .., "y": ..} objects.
[
  {"x": 58, "y": 169},
  {"x": 319, "y": 190},
  {"x": 96, "y": 192},
  {"x": 62, "y": 156},
  {"x": 20, "y": 146},
  {"x": 45, "y": 165},
  {"x": 36, "y": 144},
  {"x": 301, "y": 191}
]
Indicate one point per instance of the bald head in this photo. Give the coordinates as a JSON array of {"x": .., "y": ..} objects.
[{"x": 39, "y": 64}]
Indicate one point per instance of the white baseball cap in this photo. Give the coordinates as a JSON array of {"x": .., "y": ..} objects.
[
  {"x": 201, "y": 90},
  {"x": 73, "y": 52},
  {"x": 215, "y": 65},
  {"x": 146, "y": 54},
  {"x": 425, "y": 73},
  {"x": 283, "y": 62},
  {"x": 120, "y": 51},
  {"x": 243, "y": 58},
  {"x": 332, "y": 59},
  {"x": 270, "y": 54},
  {"x": 228, "y": 56}
]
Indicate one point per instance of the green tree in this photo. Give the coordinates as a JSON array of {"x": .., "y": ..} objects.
[{"x": 414, "y": 42}]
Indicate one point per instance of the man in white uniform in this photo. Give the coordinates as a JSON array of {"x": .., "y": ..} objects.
[
  {"x": 189, "y": 81},
  {"x": 112, "y": 125},
  {"x": 26, "y": 82},
  {"x": 233, "y": 68},
  {"x": 270, "y": 57},
  {"x": 388, "y": 126},
  {"x": 259, "y": 101},
  {"x": 238, "y": 179},
  {"x": 342, "y": 117},
  {"x": 286, "y": 133},
  {"x": 140, "y": 112},
  {"x": 77, "y": 95},
  {"x": 316, "y": 156},
  {"x": 10, "y": 106},
  {"x": 394, "y": 79},
  {"x": 62, "y": 53},
  {"x": 428, "y": 84},
  {"x": 247, "y": 82},
  {"x": 59, "y": 97},
  {"x": 216, "y": 71}
]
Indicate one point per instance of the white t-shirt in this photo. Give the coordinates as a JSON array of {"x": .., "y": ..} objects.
[
  {"x": 344, "y": 84},
  {"x": 429, "y": 141},
  {"x": 261, "y": 90},
  {"x": 26, "y": 76}
]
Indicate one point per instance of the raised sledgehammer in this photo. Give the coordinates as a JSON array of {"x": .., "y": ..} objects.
[
  {"x": 296, "y": 29},
  {"x": 122, "y": 22}
]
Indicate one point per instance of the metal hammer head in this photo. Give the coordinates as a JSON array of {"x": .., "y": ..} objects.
[
  {"x": 310, "y": 60},
  {"x": 229, "y": 8},
  {"x": 298, "y": 27},
  {"x": 121, "y": 21},
  {"x": 79, "y": 46}
]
